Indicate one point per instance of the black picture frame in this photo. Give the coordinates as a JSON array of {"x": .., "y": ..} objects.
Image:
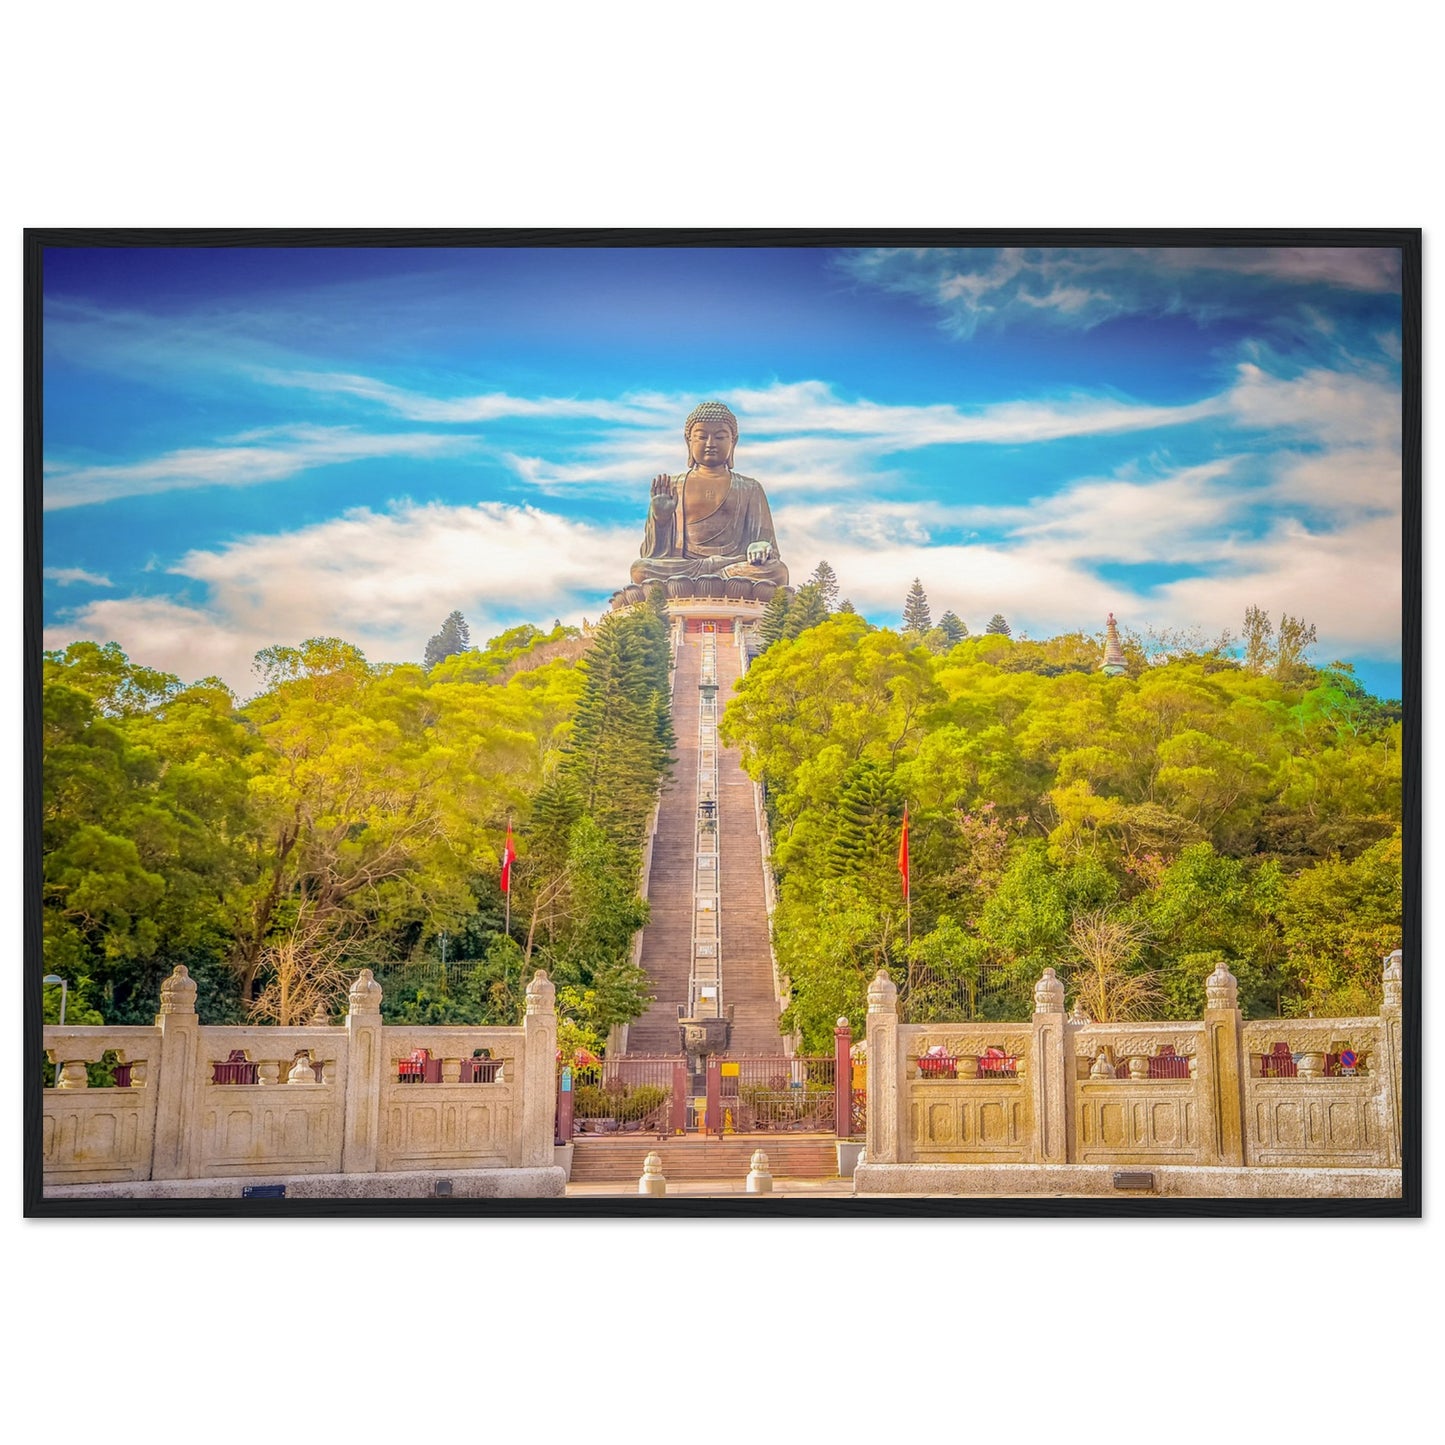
[{"x": 1408, "y": 1205}]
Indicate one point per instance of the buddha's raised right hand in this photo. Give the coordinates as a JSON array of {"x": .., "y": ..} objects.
[{"x": 663, "y": 500}]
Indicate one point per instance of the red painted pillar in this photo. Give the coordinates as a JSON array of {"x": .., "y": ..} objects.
[
  {"x": 565, "y": 1103},
  {"x": 678, "y": 1120},
  {"x": 843, "y": 1079},
  {"x": 712, "y": 1119}
]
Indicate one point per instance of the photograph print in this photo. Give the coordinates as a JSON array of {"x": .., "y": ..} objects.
[{"x": 668, "y": 723}]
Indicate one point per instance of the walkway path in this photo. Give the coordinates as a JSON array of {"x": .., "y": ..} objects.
[{"x": 747, "y": 970}]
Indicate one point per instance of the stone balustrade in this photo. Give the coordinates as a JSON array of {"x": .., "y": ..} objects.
[
  {"x": 213, "y": 1102},
  {"x": 1062, "y": 1090}
]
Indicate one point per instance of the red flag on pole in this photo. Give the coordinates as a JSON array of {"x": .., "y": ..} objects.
[
  {"x": 903, "y": 852},
  {"x": 509, "y": 856}
]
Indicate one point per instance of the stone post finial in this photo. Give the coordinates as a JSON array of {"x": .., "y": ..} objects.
[
  {"x": 321, "y": 1018},
  {"x": 1049, "y": 994},
  {"x": 1221, "y": 989},
  {"x": 760, "y": 1179},
  {"x": 1394, "y": 979},
  {"x": 1079, "y": 1015},
  {"x": 541, "y": 994},
  {"x": 365, "y": 994},
  {"x": 652, "y": 1181},
  {"x": 882, "y": 994},
  {"x": 178, "y": 992}
]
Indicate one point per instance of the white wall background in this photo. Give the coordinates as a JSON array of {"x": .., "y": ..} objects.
[{"x": 751, "y": 114}]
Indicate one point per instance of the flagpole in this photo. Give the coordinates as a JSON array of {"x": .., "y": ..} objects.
[{"x": 507, "y": 922}]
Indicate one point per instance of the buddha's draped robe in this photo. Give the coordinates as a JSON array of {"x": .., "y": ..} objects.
[{"x": 682, "y": 543}]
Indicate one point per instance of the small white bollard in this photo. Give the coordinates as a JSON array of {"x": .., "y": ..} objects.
[
  {"x": 652, "y": 1181},
  {"x": 759, "y": 1180}
]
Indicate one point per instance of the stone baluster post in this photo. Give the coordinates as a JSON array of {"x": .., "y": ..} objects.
[
  {"x": 539, "y": 1072},
  {"x": 843, "y": 1079},
  {"x": 177, "y": 1082},
  {"x": 886, "y": 1095},
  {"x": 1389, "y": 1066},
  {"x": 1050, "y": 1089},
  {"x": 1220, "y": 1072},
  {"x": 361, "y": 1136}
]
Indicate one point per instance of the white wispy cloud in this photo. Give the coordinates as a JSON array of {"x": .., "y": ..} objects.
[
  {"x": 383, "y": 580},
  {"x": 265, "y": 455},
  {"x": 1046, "y": 589},
  {"x": 797, "y": 435},
  {"x": 487, "y": 406},
  {"x": 69, "y": 576},
  {"x": 1084, "y": 287}
]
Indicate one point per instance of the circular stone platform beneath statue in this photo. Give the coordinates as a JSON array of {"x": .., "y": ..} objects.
[{"x": 701, "y": 592}]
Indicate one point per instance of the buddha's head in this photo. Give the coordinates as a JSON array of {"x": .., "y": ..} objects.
[{"x": 712, "y": 435}]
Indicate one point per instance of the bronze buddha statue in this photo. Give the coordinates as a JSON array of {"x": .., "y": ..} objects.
[{"x": 709, "y": 522}]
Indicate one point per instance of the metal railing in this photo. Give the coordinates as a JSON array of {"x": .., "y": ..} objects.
[
  {"x": 778, "y": 1094},
  {"x": 632, "y": 1094}
]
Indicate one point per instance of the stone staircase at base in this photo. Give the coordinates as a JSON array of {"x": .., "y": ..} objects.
[{"x": 616, "y": 1161}]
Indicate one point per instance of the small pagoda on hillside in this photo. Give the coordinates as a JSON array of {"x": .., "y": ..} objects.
[{"x": 1113, "y": 664}]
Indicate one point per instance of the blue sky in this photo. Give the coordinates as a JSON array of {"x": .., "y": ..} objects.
[{"x": 254, "y": 446}]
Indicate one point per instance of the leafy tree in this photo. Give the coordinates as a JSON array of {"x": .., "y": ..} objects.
[
  {"x": 945, "y": 974},
  {"x": 1339, "y": 920},
  {"x": 455, "y": 636},
  {"x": 1258, "y": 638},
  {"x": 998, "y": 624},
  {"x": 916, "y": 617},
  {"x": 1296, "y": 637}
]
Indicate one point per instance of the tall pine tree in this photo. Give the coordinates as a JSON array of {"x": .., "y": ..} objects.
[
  {"x": 827, "y": 581},
  {"x": 454, "y": 637},
  {"x": 916, "y": 617},
  {"x": 807, "y": 609},
  {"x": 953, "y": 628},
  {"x": 998, "y": 624},
  {"x": 865, "y": 823},
  {"x": 773, "y": 626},
  {"x": 622, "y": 735}
]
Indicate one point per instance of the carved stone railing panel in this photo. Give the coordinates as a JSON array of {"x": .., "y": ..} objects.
[
  {"x": 315, "y": 1099},
  {"x": 1136, "y": 1122},
  {"x": 978, "y": 1123}
]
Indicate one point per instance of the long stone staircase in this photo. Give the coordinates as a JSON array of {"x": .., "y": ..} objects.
[
  {"x": 667, "y": 939},
  {"x": 746, "y": 958}
]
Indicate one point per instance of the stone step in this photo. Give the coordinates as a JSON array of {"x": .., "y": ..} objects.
[
  {"x": 747, "y": 975},
  {"x": 610, "y": 1159}
]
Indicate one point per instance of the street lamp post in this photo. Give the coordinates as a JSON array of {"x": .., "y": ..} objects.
[{"x": 64, "y": 990}]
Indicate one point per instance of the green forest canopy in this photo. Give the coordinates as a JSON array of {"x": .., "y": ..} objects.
[
  {"x": 1130, "y": 832},
  {"x": 353, "y": 815}
]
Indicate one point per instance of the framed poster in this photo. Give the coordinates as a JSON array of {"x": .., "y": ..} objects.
[{"x": 750, "y": 722}]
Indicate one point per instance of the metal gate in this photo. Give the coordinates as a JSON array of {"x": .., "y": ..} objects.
[{"x": 661, "y": 1095}]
